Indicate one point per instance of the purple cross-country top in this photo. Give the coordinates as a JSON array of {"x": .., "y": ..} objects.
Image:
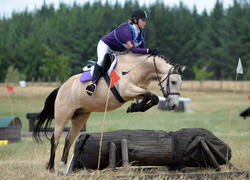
[{"x": 118, "y": 38}]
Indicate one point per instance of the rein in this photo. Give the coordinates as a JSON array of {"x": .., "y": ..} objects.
[
  {"x": 168, "y": 92},
  {"x": 137, "y": 65},
  {"x": 166, "y": 78}
]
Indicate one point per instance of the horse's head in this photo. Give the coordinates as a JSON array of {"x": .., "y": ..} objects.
[{"x": 172, "y": 86}]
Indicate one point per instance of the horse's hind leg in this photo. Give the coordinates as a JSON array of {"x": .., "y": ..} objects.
[
  {"x": 54, "y": 143},
  {"x": 50, "y": 165},
  {"x": 77, "y": 123},
  {"x": 61, "y": 119}
]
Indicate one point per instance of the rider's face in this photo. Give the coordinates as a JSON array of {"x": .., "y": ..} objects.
[{"x": 142, "y": 23}]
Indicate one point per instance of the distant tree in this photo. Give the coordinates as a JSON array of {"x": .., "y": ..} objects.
[
  {"x": 3, "y": 67},
  {"x": 72, "y": 32},
  {"x": 201, "y": 73},
  {"x": 248, "y": 73},
  {"x": 212, "y": 52},
  {"x": 238, "y": 36},
  {"x": 13, "y": 75},
  {"x": 55, "y": 67}
]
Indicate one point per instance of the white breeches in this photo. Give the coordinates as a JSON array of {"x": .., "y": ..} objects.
[{"x": 102, "y": 49}]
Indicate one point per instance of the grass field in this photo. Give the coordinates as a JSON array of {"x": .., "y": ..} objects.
[{"x": 215, "y": 111}]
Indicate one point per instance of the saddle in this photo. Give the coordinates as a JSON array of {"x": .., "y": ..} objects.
[{"x": 109, "y": 64}]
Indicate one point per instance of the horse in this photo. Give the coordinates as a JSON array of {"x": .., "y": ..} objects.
[{"x": 71, "y": 102}]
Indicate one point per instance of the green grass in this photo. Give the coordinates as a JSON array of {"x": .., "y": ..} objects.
[{"x": 215, "y": 111}]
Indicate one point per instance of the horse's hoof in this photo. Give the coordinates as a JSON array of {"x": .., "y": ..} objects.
[
  {"x": 61, "y": 172},
  {"x": 50, "y": 168},
  {"x": 129, "y": 109}
]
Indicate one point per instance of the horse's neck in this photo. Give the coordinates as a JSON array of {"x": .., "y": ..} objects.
[
  {"x": 160, "y": 65},
  {"x": 141, "y": 67}
]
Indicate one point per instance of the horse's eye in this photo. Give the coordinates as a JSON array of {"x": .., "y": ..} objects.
[{"x": 173, "y": 82}]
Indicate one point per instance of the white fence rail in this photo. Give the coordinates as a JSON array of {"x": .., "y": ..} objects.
[{"x": 239, "y": 86}]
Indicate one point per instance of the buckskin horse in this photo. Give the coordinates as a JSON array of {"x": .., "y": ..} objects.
[{"x": 70, "y": 101}]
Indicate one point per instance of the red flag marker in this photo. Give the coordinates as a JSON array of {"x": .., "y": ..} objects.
[
  {"x": 114, "y": 77},
  {"x": 9, "y": 88},
  {"x": 248, "y": 97}
]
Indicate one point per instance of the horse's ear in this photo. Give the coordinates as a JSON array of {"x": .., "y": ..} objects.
[
  {"x": 182, "y": 68},
  {"x": 179, "y": 68},
  {"x": 176, "y": 68}
]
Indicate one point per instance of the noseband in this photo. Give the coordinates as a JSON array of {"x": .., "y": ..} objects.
[{"x": 167, "y": 78}]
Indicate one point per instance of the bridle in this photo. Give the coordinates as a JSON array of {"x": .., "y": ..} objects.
[{"x": 167, "y": 78}]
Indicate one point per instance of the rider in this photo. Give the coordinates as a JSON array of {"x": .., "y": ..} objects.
[{"x": 128, "y": 36}]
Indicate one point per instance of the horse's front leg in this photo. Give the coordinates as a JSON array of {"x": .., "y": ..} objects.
[
  {"x": 135, "y": 107},
  {"x": 133, "y": 91},
  {"x": 148, "y": 101},
  {"x": 154, "y": 100}
]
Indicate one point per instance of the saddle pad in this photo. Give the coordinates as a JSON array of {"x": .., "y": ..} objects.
[
  {"x": 88, "y": 71},
  {"x": 86, "y": 76}
]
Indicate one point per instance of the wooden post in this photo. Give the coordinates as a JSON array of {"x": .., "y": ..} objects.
[
  {"x": 210, "y": 155},
  {"x": 124, "y": 146},
  {"x": 112, "y": 155}
]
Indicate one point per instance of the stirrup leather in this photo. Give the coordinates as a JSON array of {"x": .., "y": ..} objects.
[{"x": 90, "y": 89}]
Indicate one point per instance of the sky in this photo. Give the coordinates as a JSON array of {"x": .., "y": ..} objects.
[{"x": 8, "y": 6}]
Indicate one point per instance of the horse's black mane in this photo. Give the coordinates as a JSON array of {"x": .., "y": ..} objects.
[
  {"x": 166, "y": 59},
  {"x": 159, "y": 55}
]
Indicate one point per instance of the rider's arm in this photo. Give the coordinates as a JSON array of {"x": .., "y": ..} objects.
[
  {"x": 125, "y": 35},
  {"x": 136, "y": 50}
]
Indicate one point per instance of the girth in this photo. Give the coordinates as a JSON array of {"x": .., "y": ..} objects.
[{"x": 113, "y": 89}]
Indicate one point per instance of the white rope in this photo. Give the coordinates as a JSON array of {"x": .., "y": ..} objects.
[{"x": 103, "y": 120}]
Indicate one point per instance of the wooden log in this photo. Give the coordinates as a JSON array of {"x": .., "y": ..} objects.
[
  {"x": 144, "y": 148},
  {"x": 151, "y": 148}
]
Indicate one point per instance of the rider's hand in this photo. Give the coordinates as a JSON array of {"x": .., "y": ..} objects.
[{"x": 154, "y": 51}]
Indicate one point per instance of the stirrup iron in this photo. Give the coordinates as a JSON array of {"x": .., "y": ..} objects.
[{"x": 90, "y": 89}]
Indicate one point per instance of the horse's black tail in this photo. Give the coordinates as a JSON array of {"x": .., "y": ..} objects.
[{"x": 45, "y": 117}]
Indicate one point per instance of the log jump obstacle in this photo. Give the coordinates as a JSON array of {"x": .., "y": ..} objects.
[{"x": 190, "y": 147}]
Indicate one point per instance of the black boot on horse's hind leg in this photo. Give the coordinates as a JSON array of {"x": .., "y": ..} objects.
[{"x": 90, "y": 89}]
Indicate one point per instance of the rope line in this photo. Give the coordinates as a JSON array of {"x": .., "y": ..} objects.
[{"x": 103, "y": 120}]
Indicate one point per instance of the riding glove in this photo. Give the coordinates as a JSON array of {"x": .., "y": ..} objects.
[{"x": 154, "y": 51}]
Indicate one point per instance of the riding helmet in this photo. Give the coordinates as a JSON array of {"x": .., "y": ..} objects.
[{"x": 139, "y": 14}]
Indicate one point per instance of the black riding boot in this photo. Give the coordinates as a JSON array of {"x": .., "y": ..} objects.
[{"x": 90, "y": 89}]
